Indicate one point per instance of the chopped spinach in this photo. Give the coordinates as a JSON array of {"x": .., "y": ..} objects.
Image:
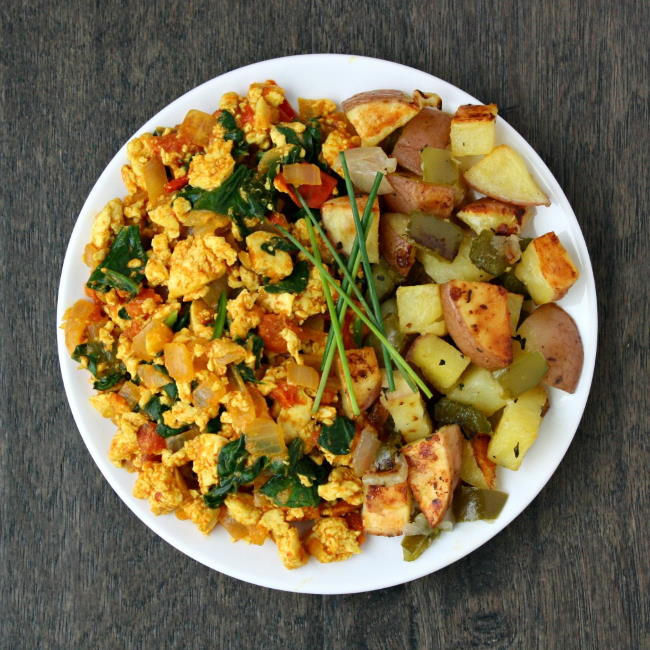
[
  {"x": 277, "y": 244},
  {"x": 309, "y": 141},
  {"x": 116, "y": 272},
  {"x": 337, "y": 437},
  {"x": 214, "y": 425},
  {"x": 123, "y": 314},
  {"x": 103, "y": 363},
  {"x": 154, "y": 408},
  {"x": 233, "y": 471},
  {"x": 294, "y": 283},
  {"x": 246, "y": 373},
  {"x": 234, "y": 133}
]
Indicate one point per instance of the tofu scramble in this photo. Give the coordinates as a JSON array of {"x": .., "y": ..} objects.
[{"x": 277, "y": 365}]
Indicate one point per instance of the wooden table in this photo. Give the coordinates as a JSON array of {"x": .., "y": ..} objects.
[{"x": 78, "y": 569}]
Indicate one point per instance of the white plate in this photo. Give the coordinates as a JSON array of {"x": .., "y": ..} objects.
[{"x": 380, "y": 564}]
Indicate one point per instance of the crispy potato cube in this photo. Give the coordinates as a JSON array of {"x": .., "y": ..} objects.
[
  {"x": 440, "y": 362},
  {"x": 366, "y": 378},
  {"x": 473, "y": 130},
  {"x": 490, "y": 214},
  {"x": 386, "y": 509},
  {"x": 503, "y": 175},
  {"x": 478, "y": 321},
  {"x": 515, "y": 303},
  {"x": 546, "y": 269},
  {"x": 434, "y": 469},
  {"x": 339, "y": 224},
  {"x": 407, "y": 409},
  {"x": 377, "y": 113},
  {"x": 478, "y": 388},
  {"x": 419, "y": 310},
  {"x": 517, "y": 428},
  {"x": 476, "y": 468},
  {"x": 395, "y": 246},
  {"x": 460, "y": 268},
  {"x": 411, "y": 193}
]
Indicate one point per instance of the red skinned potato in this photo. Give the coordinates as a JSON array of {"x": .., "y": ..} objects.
[
  {"x": 434, "y": 469},
  {"x": 412, "y": 194},
  {"x": 552, "y": 332},
  {"x": 478, "y": 320},
  {"x": 429, "y": 128},
  {"x": 366, "y": 378},
  {"x": 394, "y": 244}
]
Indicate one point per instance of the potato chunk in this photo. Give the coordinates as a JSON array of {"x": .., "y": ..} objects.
[
  {"x": 386, "y": 509},
  {"x": 407, "y": 409},
  {"x": 546, "y": 269},
  {"x": 419, "y": 309},
  {"x": 412, "y": 194},
  {"x": 339, "y": 224},
  {"x": 517, "y": 428},
  {"x": 434, "y": 469},
  {"x": 366, "y": 378},
  {"x": 486, "y": 213},
  {"x": 478, "y": 388},
  {"x": 460, "y": 268},
  {"x": 473, "y": 130},
  {"x": 503, "y": 175},
  {"x": 377, "y": 113},
  {"x": 395, "y": 246},
  {"x": 478, "y": 321},
  {"x": 440, "y": 363}
]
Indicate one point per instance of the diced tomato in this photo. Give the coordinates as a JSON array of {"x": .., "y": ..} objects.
[
  {"x": 93, "y": 295},
  {"x": 314, "y": 195},
  {"x": 134, "y": 307},
  {"x": 286, "y": 395},
  {"x": 272, "y": 324},
  {"x": 176, "y": 184},
  {"x": 150, "y": 443},
  {"x": 247, "y": 115},
  {"x": 278, "y": 219},
  {"x": 171, "y": 143},
  {"x": 286, "y": 112}
]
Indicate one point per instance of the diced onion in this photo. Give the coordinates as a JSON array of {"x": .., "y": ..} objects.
[
  {"x": 174, "y": 443},
  {"x": 204, "y": 395},
  {"x": 302, "y": 376},
  {"x": 419, "y": 526},
  {"x": 152, "y": 377},
  {"x": 179, "y": 361},
  {"x": 76, "y": 321},
  {"x": 264, "y": 437},
  {"x": 155, "y": 177},
  {"x": 365, "y": 451},
  {"x": 130, "y": 392},
  {"x": 151, "y": 339},
  {"x": 387, "y": 479},
  {"x": 302, "y": 174},
  {"x": 364, "y": 163},
  {"x": 237, "y": 531},
  {"x": 197, "y": 127}
]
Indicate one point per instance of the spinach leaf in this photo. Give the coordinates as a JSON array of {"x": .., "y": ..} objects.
[
  {"x": 122, "y": 313},
  {"x": 172, "y": 390},
  {"x": 309, "y": 141},
  {"x": 257, "y": 348},
  {"x": 233, "y": 470},
  {"x": 246, "y": 373},
  {"x": 337, "y": 437},
  {"x": 154, "y": 408},
  {"x": 294, "y": 283},
  {"x": 277, "y": 244},
  {"x": 115, "y": 271},
  {"x": 234, "y": 133},
  {"x": 104, "y": 365},
  {"x": 214, "y": 425}
]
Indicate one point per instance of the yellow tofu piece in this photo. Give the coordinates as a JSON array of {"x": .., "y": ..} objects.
[
  {"x": 198, "y": 513},
  {"x": 162, "y": 486},
  {"x": 274, "y": 265},
  {"x": 517, "y": 428},
  {"x": 473, "y": 130},
  {"x": 440, "y": 362},
  {"x": 419, "y": 310},
  {"x": 342, "y": 483},
  {"x": 546, "y": 269},
  {"x": 286, "y": 538},
  {"x": 331, "y": 540}
]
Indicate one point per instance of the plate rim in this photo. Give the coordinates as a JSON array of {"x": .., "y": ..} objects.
[{"x": 154, "y": 524}]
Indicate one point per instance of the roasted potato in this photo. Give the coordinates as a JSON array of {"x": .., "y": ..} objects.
[
  {"x": 517, "y": 429},
  {"x": 503, "y": 175},
  {"x": 434, "y": 469},
  {"x": 546, "y": 269},
  {"x": 339, "y": 224},
  {"x": 386, "y": 509},
  {"x": 440, "y": 362},
  {"x": 366, "y": 378},
  {"x": 419, "y": 309},
  {"x": 407, "y": 409},
  {"x": 515, "y": 303},
  {"x": 553, "y": 333},
  {"x": 429, "y": 128},
  {"x": 478, "y": 388},
  {"x": 460, "y": 268},
  {"x": 478, "y": 321},
  {"x": 477, "y": 469},
  {"x": 394, "y": 244},
  {"x": 486, "y": 213},
  {"x": 473, "y": 130},
  {"x": 413, "y": 194},
  {"x": 377, "y": 113}
]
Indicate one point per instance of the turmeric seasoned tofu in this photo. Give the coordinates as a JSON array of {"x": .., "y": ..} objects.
[
  {"x": 266, "y": 256},
  {"x": 546, "y": 269},
  {"x": 434, "y": 468},
  {"x": 473, "y": 130},
  {"x": 331, "y": 540}
]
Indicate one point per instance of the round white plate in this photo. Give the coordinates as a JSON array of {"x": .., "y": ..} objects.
[{"x": 380, "y": 563}]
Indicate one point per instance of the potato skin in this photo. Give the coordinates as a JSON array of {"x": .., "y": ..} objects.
[
  {"x": 413, "y": 194},
  {"x": 366, "y": 378},
  {"x": 434, "y": 469},
  {"x": 553, "y": 333},
  {"x": 478, "y": 321},
  {"x": 429, "y": 128},
  {"x": 386, "y": 509},
  {"x": 394, "y": 244}
]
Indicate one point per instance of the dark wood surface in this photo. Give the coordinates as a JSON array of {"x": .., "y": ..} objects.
[{"x": 78, "y": 569}]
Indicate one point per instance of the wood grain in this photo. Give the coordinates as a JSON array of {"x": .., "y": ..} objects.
[{"x": 78, "y": 570}]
